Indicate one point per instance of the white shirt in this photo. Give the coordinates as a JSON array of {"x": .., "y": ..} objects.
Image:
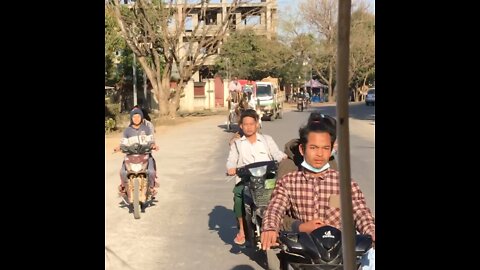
[
  {"x": 252, "y": 153},
  {"x": 234, "y": 86},
  {"x": 248, "y": 153}
]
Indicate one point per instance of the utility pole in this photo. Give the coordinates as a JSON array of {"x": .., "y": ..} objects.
[
  {"x": 146, "y": 104},
  {"x": 134, "y": 66}
]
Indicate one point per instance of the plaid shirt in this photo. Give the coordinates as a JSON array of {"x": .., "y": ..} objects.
[{"x": 307, "y": 198}]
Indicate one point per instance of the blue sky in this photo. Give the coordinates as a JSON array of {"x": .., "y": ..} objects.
[{"x": 287, "y": 4}]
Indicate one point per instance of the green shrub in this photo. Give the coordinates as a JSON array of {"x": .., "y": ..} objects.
[{"x": 110, "y": 125}]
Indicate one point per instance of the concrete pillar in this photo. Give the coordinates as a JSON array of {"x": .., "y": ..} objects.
[
  {"x": 226, "y": 82},
  {"x": 194, "y": 20},
  {"x": 269, "y": 21},
  {"x": 196, "y": 77},
  {"x": 186, "y": 102},
  {"x": 210, "y": 93}
]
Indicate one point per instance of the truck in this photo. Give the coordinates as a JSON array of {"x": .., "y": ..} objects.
[{"x": 269, "y": 98}]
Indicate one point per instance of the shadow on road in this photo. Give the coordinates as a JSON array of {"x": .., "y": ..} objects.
[
  {"x": 356, "y": 110},
  {"x": 223, "y": 221},
  {"x": 243, "y": 267},
  {"x": 234, "y": 128},
  {"x": 123, "y": 205}
]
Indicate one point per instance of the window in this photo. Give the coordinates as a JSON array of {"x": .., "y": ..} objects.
[
  {"x": 188, "y": 24},
  {"x": 211, "y": 18}
]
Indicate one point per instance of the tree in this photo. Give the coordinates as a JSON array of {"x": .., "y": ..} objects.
[
  {"x": 362, "y": 51},
  {"x": 113, "y": 44},
  {"x": 253, "y": 57},
  {"x": 165, "y": 35},
  {"x": 300, "y": 42},
  {"x": 238, "y": 55},
  {"x": 124, "y": 84},
  {"x": 321, "y": 16}
]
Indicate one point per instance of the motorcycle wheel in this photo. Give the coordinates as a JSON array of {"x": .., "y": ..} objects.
[
  {"x": 280, "y": 113},
  {"x": 136, "y": 199},
  {"x": 272, "y": 117},
  {"x": 229, "y": 122}
]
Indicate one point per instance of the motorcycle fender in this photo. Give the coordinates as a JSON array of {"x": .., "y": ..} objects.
[{"x": 247, "y": 197}]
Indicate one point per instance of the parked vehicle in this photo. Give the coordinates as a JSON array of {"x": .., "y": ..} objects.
[{"x": 370, "y": 98}]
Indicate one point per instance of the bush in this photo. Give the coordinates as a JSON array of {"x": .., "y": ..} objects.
[
  {"x": 112, "y": 113},
  {"x": 110, "y": 125},
  {"x": 112, "y": 110}
]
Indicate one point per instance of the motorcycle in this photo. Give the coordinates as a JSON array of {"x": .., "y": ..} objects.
[
  {"x": 319, "y": 250},
  {"x": 260, "y": 179},
  {"x": 138, "y": 194},
  {"x": 234, "y": 113},
  {"x": 301, "y": 103}
]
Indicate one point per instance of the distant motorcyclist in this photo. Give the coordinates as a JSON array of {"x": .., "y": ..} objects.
[
  {"x": 235, "y": 89},
  {"x": 138, "y": 132}
]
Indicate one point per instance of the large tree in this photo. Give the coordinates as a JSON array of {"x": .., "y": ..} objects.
[
  {"x": 113, "y": 44},
  {"x": 321, "y": 52},
  {"x": 321, "y": 16},
  {"x": 300, "y": 42},
  {"x": 165, "y": 35},
  {"x": 250, "y": 56},
  {"x": 362, "y": 51}
]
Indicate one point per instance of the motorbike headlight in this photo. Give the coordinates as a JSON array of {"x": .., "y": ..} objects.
[
  {"x": 136, "y": 167},
  {"x": 259, "y": 171}
]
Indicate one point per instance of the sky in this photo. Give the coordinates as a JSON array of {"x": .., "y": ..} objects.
[
  {"x": 287, "y": 4},
  {"x": 290, "y": 6}
]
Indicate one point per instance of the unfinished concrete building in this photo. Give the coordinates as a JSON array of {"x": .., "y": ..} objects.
[{"x": 259, "y": 16}]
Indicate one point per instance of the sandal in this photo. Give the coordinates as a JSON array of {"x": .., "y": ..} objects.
[{"x": 239, "y": 240}]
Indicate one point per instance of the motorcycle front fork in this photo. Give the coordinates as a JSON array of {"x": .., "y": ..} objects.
[
  {"x": 257, "y": 224},
  {"x": 143, "y": 188}
]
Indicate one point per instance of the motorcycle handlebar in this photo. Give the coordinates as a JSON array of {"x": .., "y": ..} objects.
[
  {"x": 240, "y": 172},
  {"x": 244, "y": 171}
]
